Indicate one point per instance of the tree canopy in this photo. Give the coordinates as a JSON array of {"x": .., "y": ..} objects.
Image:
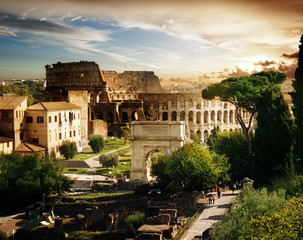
[
  {"x": 192, "y": 167},
  {"x": 244, "y": 93},
  {"x": 68, "y": 149},
  {"x": 23, "y": 179}
]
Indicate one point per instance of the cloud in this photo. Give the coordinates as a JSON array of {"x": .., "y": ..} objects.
[
  {"x": 281, "y": 66},
  {"x": 265, "y": 63},
  {"x": 291, "y": 55},
  {"x": 7, "y": 32}
]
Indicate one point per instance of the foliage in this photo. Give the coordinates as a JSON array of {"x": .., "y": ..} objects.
[
  {"x": 28, "y": 88},
  {"x": 284, "y": 224},
  {"x": 96, "y": 142},
  {"x": 134, "y": 221},
  {"x": 24, "y": 179},
  {"x": 297, "y": 99},
  {"x": 249, "y": 204},
  {"x": 109, "y": 160},
  {"x": 292, "y": 184},
  {"x": 193, "y": 167},
  {"x": 195, "y": 138},
  {"x": 244, "y": 92},
  {"x": 3, "y": 235},
  {"x": 272, "y": 145},
  {"x": 68, "y": 149},
  {"x": 125, "y": 133},
  {"x": 233, "y": 146}
]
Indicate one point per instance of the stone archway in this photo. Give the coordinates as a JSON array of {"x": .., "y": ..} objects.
[{"x": 147, "y": 137}]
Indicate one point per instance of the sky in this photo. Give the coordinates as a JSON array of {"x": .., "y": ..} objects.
[{"x": 180, "y": 40}]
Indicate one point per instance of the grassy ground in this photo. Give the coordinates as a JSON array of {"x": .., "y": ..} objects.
[
  {"x": 121, "y": 169},
  {"x": 110, "y": 144},
  {"x": 78, "y": 170},
  {"x": 100, "y": 194}
]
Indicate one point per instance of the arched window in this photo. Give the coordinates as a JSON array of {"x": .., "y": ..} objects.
[
  {"x": 231, "y": 116},
  {"x": 124, "y": 117},
  {"x": 190, "y": 116},
  {"x": 219, "y": 116},
  {"x": 205, "y": 135},
  {"x": 199, "y": 134},
  {"x": 174, "y": 116},
  {"x": 213, "y": 116},
  {"x": 134, "y": 116},
  {"x": 206, "y": 117},
  {"x": 225, "y": 116},
  {"x": 164, "y": 116},
  {"x": 182, "y": 116},
  {"x": 198, "y": 117}
]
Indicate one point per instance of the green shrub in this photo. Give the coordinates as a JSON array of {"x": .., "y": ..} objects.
[
  {"x": 249, "y": 204},
  {"x": 134, "y": 221},
  {"x": 109, "y": 160},
  {"x": 285, "y": 224},
  {"x": 3, "y": 235},
  {"x": 293, "y": 185},
  {"x": 68, "y": 149},
  {"x": 96, "y": 142}
]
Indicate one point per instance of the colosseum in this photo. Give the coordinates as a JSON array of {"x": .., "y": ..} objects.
[{"x": 121, "y": 98}]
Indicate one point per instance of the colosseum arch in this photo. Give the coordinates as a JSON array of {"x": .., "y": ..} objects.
[
  {"x": 174, "y": 116},
  {"x": 191, "y": 116},
  {"x": 219, "y": 116},
  {"x": 182, "y": 116},
  {"x": 205, "y": 136},
  {"x": 165, "y": 116},
  {"x": 198, "y": 120},
  {"x": 206, "y": 117},
  {"x": 231, "y": 116},
  {"x": 225, "y": 117},
  {"x": 147, "y": 137},
  {"x": 124, "y": 117},
  {"x": 199, "y": 134},
  {"x": 213, "y": 116}
]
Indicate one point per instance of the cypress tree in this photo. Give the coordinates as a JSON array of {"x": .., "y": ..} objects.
[
  {"x": 297, "y": 99},
  {"x": 273, "y": 142}
]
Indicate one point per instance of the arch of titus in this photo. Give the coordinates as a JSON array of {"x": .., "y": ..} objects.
[{"x": 148, "y": 136}]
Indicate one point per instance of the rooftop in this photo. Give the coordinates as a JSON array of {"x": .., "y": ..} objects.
[
  {"x": 11, "y": 102},
  {"x": 53, "y": 106}
]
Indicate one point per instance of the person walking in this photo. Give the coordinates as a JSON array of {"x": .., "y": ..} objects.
[
  {"x": 234, "y": 188},
  {"x": 219, "y": 192}
]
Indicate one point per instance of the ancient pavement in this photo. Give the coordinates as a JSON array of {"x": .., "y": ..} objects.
[{"x": 210, "y": 215}]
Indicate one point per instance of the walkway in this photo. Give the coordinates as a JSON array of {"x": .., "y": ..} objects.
[{"x": 210, "y": 215}]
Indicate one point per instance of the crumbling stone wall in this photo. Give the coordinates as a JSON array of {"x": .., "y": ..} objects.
[{"x": 132, "y": 81}]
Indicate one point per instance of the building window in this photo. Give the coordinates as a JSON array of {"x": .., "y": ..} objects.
[
  {"x": 60, "y": 136},
  {"x": 74, "y": 133},
  {"x": 49, "y": 119},
  {"x": 70, "y": 133},
  {"x": 39, "y": 119},
  {"x": 29, "y": 119},
  {"x": 7, "y": 144},
  {"x": 16, "y": 114},
  {"x": 35, "y": 140},
  {"x": 56, "y": 119}
]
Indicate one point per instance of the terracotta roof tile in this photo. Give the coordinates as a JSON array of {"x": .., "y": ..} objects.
[{"x": 29, "y": 147}]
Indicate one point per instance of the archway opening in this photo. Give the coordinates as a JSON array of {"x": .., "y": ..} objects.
[
  {"x": 151, "y": 158},
  {"x": 174, "y": 116},
  {"x": 205, "y": 135},
  {"x": 205, "y": 117},
  {"x": 190, "y": 116},
  {"x": 124, "y": 117},
  {"x": 182, "y": 116},
  {"x": 164, "y": 116},
  {"x": 134, "y": 116}
]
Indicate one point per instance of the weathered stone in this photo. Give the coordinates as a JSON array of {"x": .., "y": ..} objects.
[
  {"x": 172, "y": 212},
  {"x": 160, "y": 219}
]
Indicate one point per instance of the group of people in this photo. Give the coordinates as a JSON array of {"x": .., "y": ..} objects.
[{"x": 212, "y": 199}]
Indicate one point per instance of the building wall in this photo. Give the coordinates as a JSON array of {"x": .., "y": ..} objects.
[
  {"x": 6, "y": 147},
  {"x": 132, "y": 81},
  {"x": 201, "y": 115},
  {"x": 56, "y": 127},
  {"x": 98, "y": 127}
]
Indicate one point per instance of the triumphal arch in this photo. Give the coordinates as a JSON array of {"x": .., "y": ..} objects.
[{"x": 147, "y": 137}]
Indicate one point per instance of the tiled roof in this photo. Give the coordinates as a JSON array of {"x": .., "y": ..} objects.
[
  {"x": 5, "y": 139},
  {"x": 29, "y": 147},
  {"x": 11, "y": 102},
  {"x": 52, "y": 106}
]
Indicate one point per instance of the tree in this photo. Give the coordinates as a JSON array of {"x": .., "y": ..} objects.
[
  {"x": 125, "y": 133},
  {"x": 68, "y": 149},
  {"x": 233, "y": 146},
  {"x": 273, "y": 142},
  {"x": 109, "y": 160},
  {"x": 24, "y": 179},
  {"x": 195, "y": 138},
  {"x": 96, "y": 142},
  {"x": 243, "y": 93},
  {"x": 193, "y": 167},
  {"x": 297, "y": 99}
]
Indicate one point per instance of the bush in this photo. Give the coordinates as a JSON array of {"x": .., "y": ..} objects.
[
  {"x": 249, "y": 204},
  {"x": 68, "y": 149},
  {"x": 285, "y": 224},
  {"x": 96, "y": 142},
  {"x": 134, "y": 221},
  {"x": 195, "y": 138},
  {"x": 109, "y": 160},
  {"x": 293, "y": 185},
  {"x": 3, "y": 235}
]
